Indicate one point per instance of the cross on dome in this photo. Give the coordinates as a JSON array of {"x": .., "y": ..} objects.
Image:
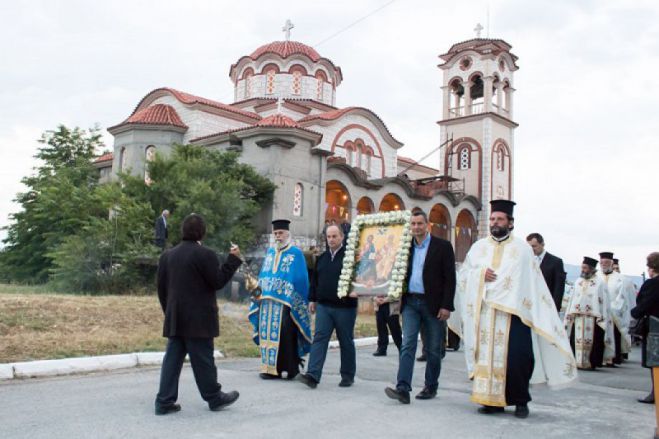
[
  {"x": 479, "y": 27},
  {"x": 287, "y": 29}
]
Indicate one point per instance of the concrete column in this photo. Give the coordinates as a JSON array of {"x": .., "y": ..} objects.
[
  {"x": 509, "y": 100},
  {"x": 487, "y": 93},
  {"x": 446, "y": 101},
  {"x": 467, "y": 98},
  {"x": 500, "y": 98}
]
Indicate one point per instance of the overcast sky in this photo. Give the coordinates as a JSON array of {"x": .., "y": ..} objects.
[{"x": 586, "y": 151}]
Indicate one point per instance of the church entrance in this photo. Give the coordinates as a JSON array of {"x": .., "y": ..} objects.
[
  {"x": 466, "y": 234},
  {"x": 337, "y": 201},
  {"x": 391, "y": 202},
  {"x": 365, "y": 206},
  {"x": 440, "y": 223}
]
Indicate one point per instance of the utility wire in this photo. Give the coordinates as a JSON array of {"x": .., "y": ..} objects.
[{"x": 354, "y": 23}]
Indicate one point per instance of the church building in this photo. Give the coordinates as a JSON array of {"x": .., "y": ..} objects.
[{"x": 333, "y": 163}]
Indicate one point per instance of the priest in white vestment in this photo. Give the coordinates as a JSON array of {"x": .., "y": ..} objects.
[
  {"x": 587, "y": 319},
  {"x": 507, "y": 318},
  {"x": 620, "y": 302}
]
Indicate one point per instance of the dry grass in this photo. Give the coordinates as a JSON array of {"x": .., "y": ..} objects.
[{"x": 36, "y": 324}]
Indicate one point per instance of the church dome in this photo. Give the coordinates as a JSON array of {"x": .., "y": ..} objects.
[{"x": 286, "y": 49}]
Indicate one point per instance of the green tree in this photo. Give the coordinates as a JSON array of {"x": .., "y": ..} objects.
[
  {"x": 228, "y": 194},
  {"x": 59, "y": 201}
]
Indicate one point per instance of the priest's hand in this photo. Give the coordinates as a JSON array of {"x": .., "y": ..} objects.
[
  {"x": 312, "y": 307},
  {"x": 353, "y": 295},
  {"x": 443, "y": 314},
  {"x": 380, "y": 300},
  {"x": 490, "y": 275}
]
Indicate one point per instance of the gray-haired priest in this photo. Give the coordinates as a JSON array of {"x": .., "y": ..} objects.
[
  {"x": 280, "y": 314},
  {"x": 507, "y": 318}
]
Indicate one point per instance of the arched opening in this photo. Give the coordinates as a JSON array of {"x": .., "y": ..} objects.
[
  {"x": 477, "y": 94},
  {"x": 391, "y": 202},
  {"x": 456, "y": 107},
  {"x": 440, "y": 221},
  {"x": 150, "y": 155},
  {"x": 337, "y": 200},
  {"x": 466, "y": 234},
  {"x": 365, "y": 206}
]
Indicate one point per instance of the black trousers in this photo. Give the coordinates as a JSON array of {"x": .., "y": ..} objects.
[
  {"x": 203, "y": 368},
  {"x": 520, "y": 363},
  {"x": 616, "y": 336},
  {"x": 384, "y": 320},
  {"x": 288, "y": 358},
  {"x": 596, "y": 357}
]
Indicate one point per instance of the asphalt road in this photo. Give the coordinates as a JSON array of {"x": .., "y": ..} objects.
[{"x": 120, "y": 404}]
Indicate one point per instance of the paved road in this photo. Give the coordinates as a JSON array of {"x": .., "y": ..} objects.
[{"x": 120, "y": 404}]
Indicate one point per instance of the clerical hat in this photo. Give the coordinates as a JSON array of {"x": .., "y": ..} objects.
[
  {"x": 280, "y": 224},
  {"x": 590, "y": 261},
  {"x": 505, "y": 206},
  {"x": 616, "y": 261},
  {"x": 606, "y": 255}
]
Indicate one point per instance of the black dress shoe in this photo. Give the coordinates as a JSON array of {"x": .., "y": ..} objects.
[
  {"x": 422, "y": 358},
  {"x": 380, "y": 353},
  {"x": 165, "y": 410},
  {"x": 345, "y": 382},
  {"x": 426, "y": 394},
  {"x": 267, "y": 376},
  {"x": 490, "y": 410},
  {"x": 522, "y": 411},
  {"x": 308, "y": 380},
  {"x": 224, "y": 400},
  {"x": 403, "y": 396},
  {"x": 648, "y": 399}
]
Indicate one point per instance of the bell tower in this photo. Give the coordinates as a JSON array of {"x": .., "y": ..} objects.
[{"x": 477, "y": 113}]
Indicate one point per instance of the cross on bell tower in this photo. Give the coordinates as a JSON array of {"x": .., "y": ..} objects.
[
  {"x": 478, "y": 29},
  {"x": 287, "y": 29}
]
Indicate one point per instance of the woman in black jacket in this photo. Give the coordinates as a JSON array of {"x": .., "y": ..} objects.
[{"x": 647, "y": 304}]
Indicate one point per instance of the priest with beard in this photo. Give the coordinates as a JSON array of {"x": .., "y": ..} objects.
[
  {"x": 587, "y": 319},
  {"x": 507, "y": 320},
  {"x": 620, "y": 302},
  {"x": 280, "y": 314}
]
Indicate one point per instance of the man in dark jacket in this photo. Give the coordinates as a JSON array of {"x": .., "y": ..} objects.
[
  {"x": 188, "y": 276},
  {"x": 332, "y": 313},
  {"x": 161, "y": 229},
  {"x": 428, "y": 302},
  {"x": 551, "y": 267}
]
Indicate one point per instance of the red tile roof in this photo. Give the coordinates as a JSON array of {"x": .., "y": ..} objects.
[
  {"x": 104, "y": 158},
  {"x": 158, "y": 114},
  {"x": 335, "y": 114},
  {"x": 278, "y": 120},
  {"x": 286, "y": 49}
]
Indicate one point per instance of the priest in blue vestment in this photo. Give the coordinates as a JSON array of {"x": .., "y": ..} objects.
[{"x": 280, "y": 314}]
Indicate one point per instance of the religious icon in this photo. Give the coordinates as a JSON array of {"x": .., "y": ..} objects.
[{"x": 380, "y": 246}]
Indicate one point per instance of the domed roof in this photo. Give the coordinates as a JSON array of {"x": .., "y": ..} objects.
[{"x": 286, "y": 49}]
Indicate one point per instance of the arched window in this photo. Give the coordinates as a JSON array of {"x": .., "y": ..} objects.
[
  {"x": 369, "y": 156},
  {"x": 320, "y": 83},
  {"x": 349, "y": 157},
  {"x": 247, "y": 79},
  {"x": 500, "y": 160},
  {"x": 122, "y": 159},
  {"x": 298, "y": 199},
  {"x": 464, "y": 158},
  {"x": 270, "y": 81},
  {"x": 149, "y": 156},
  {"x": 297, "y": 82}
]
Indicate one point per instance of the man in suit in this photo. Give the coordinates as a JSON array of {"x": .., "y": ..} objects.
[
  {"x": 188, "y": 276},
  {"x": 161, "y": 229},
  {"x": 428, "y": 301},
  {"x": 551, "y": 267}
]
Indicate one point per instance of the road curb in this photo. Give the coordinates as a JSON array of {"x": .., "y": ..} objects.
[{"x": 70, "y": 366}]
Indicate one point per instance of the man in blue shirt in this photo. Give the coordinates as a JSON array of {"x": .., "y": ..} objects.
[{"x": 428, "y": 302}]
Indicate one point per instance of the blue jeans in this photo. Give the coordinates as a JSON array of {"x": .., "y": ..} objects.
[
  {"x": 415, "y": 313},
  {"x": 328, "y": 319}
]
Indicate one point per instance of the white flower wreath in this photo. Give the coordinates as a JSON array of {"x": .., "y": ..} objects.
[{"x": 399, "y": 268}]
